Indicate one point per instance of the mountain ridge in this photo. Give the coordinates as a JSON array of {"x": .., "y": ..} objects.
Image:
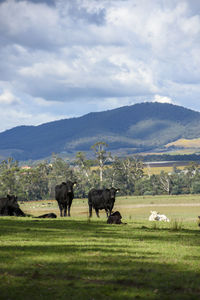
[{"x": 139, "y": 127}]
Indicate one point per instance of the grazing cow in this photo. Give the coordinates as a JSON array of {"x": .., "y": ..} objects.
[
  {"x": 64, "y": 195},
  {"x": 101, "y": 199},
  {"x": 10, "y": 207},
  {"x": 115, "y": 218},
  {"x": 48, "y": 216},
  {"x": 155, "y": 216}
]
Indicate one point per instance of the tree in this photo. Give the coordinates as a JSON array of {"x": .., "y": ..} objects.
[
  {"x": 83, "y": 164},
  {"x": 192, "y": 168},
  {"x": 126, "y": 173},
  {"x": 83, "y": 175},
  {"x": 166, "y": 182},
  {"x": 9, "y": 171},
  {"x": 101, "y": 156}
]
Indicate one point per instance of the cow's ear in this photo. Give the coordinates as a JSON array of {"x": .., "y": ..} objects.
[
  {"x": 74, "y": 183},
  {"x": 9, "y": 197},
  {"x": 117, "y": 191}
]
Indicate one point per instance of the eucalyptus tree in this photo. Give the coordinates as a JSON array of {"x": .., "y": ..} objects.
[
  {"x": 102, "y": 156},
  {"x": 34, "y": 185},
  {"x": 83, "y": 174},
  {"x": 9, "y": 175},
  {"x": 126, "y": 172},
  {"x": 166, "y": 182}
]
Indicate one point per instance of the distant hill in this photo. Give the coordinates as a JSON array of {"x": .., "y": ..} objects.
[
  {"x": 129, "y": 129},
  {"x": 185, "y": 144}
]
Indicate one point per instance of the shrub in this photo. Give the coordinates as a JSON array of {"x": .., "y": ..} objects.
[{"x": 176, "y": 225}]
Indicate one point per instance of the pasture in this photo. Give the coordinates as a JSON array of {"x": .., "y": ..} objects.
[{"x": 82, "y": 258}]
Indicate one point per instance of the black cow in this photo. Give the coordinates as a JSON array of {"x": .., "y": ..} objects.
[
  {"x": 101, "y": 199},
  {"x": 64, "y": 195},
  {"x": 10, "y": 207},
  {"x": 115, "y": 218},
  {"x": 47, "y": 216}
]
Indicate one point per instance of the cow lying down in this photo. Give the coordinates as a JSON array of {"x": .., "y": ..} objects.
[
  {"x": 115, "y": 218},
  {"x": 48, "y": 216},
  {"x": 10, "y": 207},
  {"x": 155, "y": 216}
]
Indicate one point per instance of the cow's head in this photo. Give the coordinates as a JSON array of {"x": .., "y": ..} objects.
[
  {"x": 70, "y": 186},
  {"x": 154, "y": 213},
  {"x": 12, "y": 200},
  {"x": 117, "y": 214},
  {"x": 113, "y": 192}
]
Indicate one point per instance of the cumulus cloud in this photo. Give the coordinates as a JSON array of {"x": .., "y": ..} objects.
[
  {"x": 161, "y": 99},
  {"x": 7, "y": 98},
  {"x": 56, "y": 56}
]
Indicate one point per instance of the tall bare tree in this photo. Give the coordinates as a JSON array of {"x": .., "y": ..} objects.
[{"x": 101, "y": 156}]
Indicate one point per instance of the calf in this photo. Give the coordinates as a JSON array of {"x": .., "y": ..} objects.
[
  {"x": 155, "y": 216},
  {"x": 115, "y": 218},
  {"x": 101, "y": 199},
  {"x": 64, "y": 195}
]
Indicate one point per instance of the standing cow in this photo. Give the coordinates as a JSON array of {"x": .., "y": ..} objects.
[
  {"x": 10, "y": 207},
  {"x": 101, "y": 199},
  {"x": 64, "y": 195}
]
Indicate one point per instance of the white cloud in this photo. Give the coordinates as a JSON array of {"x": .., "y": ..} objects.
[
  {"x": 162, "y": 99},
  {"x": 7, "y": 98},
  {"x": 76, "y": 56}
]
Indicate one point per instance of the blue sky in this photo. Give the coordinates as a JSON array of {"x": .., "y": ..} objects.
[{"x": 62, "y": 59}]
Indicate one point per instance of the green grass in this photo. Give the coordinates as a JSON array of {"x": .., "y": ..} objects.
[{"x": 74, "y": 258}]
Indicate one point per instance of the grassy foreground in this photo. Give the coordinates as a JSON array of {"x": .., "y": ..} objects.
[{"x": 78, "y": 258}]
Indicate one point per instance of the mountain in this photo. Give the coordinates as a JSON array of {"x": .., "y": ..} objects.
[{"x": 129, "y": 129}]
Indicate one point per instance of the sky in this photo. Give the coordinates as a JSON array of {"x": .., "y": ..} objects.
[{"x": 65, "y": 58}]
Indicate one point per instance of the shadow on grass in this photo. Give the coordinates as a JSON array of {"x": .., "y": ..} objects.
[
  {"x": 64, "y": 228},
  {"x": 69, "y": 259}
]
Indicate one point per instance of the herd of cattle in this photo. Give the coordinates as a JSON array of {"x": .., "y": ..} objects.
[{"x": 97, "y": 199}]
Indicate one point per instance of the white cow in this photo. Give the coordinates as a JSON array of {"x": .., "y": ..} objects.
[{"x": 155, "y": 216}]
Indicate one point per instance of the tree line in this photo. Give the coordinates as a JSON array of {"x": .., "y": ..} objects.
[{"x": 127, "y": 174}]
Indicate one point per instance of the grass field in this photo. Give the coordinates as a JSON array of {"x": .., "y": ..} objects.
[
  {"x": 81, "y": 258},
  {"x": 157, "y": 170}
]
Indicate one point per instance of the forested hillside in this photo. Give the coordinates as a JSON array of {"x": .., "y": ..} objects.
[{"x": 129, "y": 129}]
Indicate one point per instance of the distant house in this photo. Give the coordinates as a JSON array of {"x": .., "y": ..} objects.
[{"x": 25, "y": 167}]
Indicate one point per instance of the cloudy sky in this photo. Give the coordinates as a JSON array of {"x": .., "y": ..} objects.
[{"x": 65, "y": 58}]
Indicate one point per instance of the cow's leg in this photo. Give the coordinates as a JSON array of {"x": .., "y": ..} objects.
[
  {"x": 69, "y": 210},
  {"x": 90, "y": 211},
  {"x": 97, "y": 212},
  {"x": 60, "y": 207},
  {"x": 106, "y": 212},
  {"x": 65, "y": 210}
]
